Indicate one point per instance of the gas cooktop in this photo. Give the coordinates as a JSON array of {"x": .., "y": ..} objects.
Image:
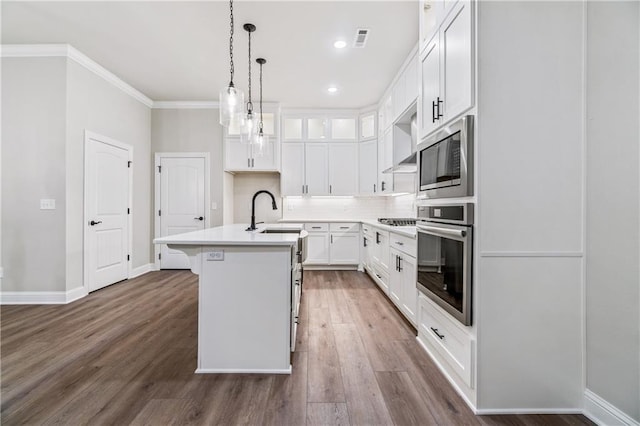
[{"x": 395, "y": 221}]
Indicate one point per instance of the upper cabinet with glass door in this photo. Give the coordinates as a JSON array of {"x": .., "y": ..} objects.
[
  {"x": 320, "y": 128},
  {"x": 241, "y": 156}
]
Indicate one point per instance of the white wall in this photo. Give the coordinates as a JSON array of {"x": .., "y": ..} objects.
[
  {"x": 192, "y": 130},
  {"x": 33, "y": 167},
  {"x": 98, "y": 106},
  {"x": 529, "y": 289},
  {"x": 613, "y": 199}
]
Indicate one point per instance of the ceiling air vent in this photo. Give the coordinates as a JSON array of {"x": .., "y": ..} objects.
[{"x": 361, "y": 37}]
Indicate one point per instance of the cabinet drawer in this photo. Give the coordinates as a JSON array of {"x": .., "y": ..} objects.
[
  {"x": 450, "y": 340},
  {"x": 316, "y": 227},
  {"x": 344, "y": 227},
  {"x": 367, "y": 230},
  {"x": 405, "y": 244}
]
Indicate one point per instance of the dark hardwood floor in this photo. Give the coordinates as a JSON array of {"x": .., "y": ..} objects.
[{"x": 126, "y": 355}]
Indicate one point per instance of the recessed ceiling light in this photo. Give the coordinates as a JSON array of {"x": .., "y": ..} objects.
[
  {"x": 340, "y": 44},
  {"x": 332, "y": 89}
]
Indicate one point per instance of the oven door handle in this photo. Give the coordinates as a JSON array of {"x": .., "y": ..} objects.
[{"x": 442, "y": 232}]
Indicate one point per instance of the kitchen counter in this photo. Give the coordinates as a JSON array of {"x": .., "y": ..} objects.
[
  {"x": 248, "y": 291},
  {"x": 235, "y": 235}
]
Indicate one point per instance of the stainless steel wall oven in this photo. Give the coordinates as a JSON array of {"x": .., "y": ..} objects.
[{"x": 445, "y": 253}]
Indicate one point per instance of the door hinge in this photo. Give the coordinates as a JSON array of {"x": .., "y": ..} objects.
[
  {"x": 159, "y": 256},
  {"x": 159, "y": 212},
  {"x": 159, "y": 169},
  {"x": 128, "y": 210},
  {"x": 128, "y": 258},
  {"x": 129, "y": 164}
]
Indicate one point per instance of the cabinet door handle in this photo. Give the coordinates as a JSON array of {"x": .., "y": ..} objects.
[
  {"x": 364, "y": 242},
  {"x": 253, "y": 162},
  {"x": 377, "y": 238},
  {"x": 332, "y": 239},
  {"x": 400, "y": 264},
  {"x": 435, "y": 330},
  {"x": 382, "y": 186},
  {"x": 439, "y": 101},
  {"x": 303, "y": 189},
  {"x": 306, "y": 188},
  {"x": 248, "y": 162},
  {"x": 433, "y": 111},
  {"x": 374, "y": 188},
  {"x": 397, "y": 268},
  {"x": 330, "y": 189}
]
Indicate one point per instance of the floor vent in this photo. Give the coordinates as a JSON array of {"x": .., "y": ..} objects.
[{"x": 361, "y": 37}]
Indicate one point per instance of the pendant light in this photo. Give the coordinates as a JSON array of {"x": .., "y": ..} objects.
[
  {"x": 248, "y": 126},
  {"x": 231, "y": 98},
  {"x": 260, "y": 141}
]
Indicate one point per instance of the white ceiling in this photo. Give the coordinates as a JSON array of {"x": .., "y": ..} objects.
[{"x": 178, "y": 50}]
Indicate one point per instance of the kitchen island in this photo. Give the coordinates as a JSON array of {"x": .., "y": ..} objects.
[{"x": 248, "y": 295}]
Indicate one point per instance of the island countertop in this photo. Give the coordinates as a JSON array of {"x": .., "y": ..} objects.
[{"x": 236, "y": 235}]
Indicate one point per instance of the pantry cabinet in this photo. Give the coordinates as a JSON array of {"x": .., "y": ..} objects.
[
  {"x": 368, "y": 167},
  {"x": 316, "y": 164},
  {"x": 447, "y": 70},
  {"x": 343, "y": 168},
  {"x": 292, "y": 177}
]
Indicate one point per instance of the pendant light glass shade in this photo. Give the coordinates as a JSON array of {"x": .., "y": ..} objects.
[
  {"x": 250, "y": 121},
  {"x": 231, "y": 98},
  {"x": 260, "y": 142}
]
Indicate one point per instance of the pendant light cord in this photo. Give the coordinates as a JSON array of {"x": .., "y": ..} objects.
[
  {"x": 231, "y": 40},
  {"x": 249, "y": 104},
  {"x": 261, "y": 98}
]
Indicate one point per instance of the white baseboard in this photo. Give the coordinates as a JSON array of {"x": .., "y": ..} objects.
[
  {"x": 330, "y": 267},
  {"x": 141, "y": 270},
  {"x": 604, "y": 413},
  {"x": 492, "y": 411},
  {"x": 242, "y": 371},
  {"x": 41, "y": 297}
]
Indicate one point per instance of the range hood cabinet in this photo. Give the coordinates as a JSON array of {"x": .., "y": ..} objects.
[{"x": 405, "y": 136}]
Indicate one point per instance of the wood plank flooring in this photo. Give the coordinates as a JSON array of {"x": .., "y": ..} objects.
[{"x": 126, "y": 355}]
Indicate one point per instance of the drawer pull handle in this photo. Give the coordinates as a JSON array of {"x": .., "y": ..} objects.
[
  {"x": 435, "y": 330},
  {"x": 399, "y": 243},
  {"x": 316, "y": 227},
  {"x": 344, "y": 227}
]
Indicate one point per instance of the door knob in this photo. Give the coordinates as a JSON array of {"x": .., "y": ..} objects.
[
  {"x": 93, "y": 222},
  {"x": 199, "y": 218}
]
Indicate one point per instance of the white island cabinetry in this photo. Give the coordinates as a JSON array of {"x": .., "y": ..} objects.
[{"x": 247, "y": 299}]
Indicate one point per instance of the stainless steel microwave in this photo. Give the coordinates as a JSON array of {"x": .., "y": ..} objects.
[{"x": 445, "y": 161}]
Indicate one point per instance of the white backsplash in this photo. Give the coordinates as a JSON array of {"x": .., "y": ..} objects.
[
  {"x": 245, "y": 185},
  {"x": 348, "y": 208}
]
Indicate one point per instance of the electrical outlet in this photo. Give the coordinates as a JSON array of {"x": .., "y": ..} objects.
[
  {"x": 215, "y": 255},
  {"x": 47, "y": 204},
  {"x": 214, "y": 206}
]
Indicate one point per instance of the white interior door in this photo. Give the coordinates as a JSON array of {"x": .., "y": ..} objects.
[
  {"x": 182, "y": 204},
  {"x": 107, "y": 181}
]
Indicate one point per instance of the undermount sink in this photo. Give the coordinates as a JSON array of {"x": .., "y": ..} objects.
[{"x": 302, "y": 240}]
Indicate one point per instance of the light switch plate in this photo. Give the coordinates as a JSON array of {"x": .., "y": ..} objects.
[
  {"x": 214, "y": 206},
  {"x": 47, "y": 204},
  {"x": 215, "y": 255}
]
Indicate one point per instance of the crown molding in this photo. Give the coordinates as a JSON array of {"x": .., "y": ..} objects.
[
  {"x": 186, "y": 105},
  {"x": 68, "y": 51}
]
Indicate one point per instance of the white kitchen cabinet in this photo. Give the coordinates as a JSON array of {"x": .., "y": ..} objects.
[
  {"x": 368, "y": 167},
  {"x": 344, "y": 243},
  {"x": 292, "y": 129},
  {"x": 381, "y": 251},
  {"x": 292, "y": 177},
  {"x": 385, "y": 160},
  {"x": 367, "y": 247},
  {"x": 405, "y": 90},
  {"x": 343, "y": 168},
  {"x": 368, "y": 125},
  {"x": 447, "y": 70},
  {"x": 430, "y": 92},
  {"x": 395, "y": 278},
  {"x": 241, "y": 156},
  {"x": 317, "y": 168},
  {"x": 402, "y": 277},
  {"x": 317, "y": 128},
  {"x": 432, "y": 13},
  {"x": 317, "y": 244},
  {"x": 344, "y": 128}
]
